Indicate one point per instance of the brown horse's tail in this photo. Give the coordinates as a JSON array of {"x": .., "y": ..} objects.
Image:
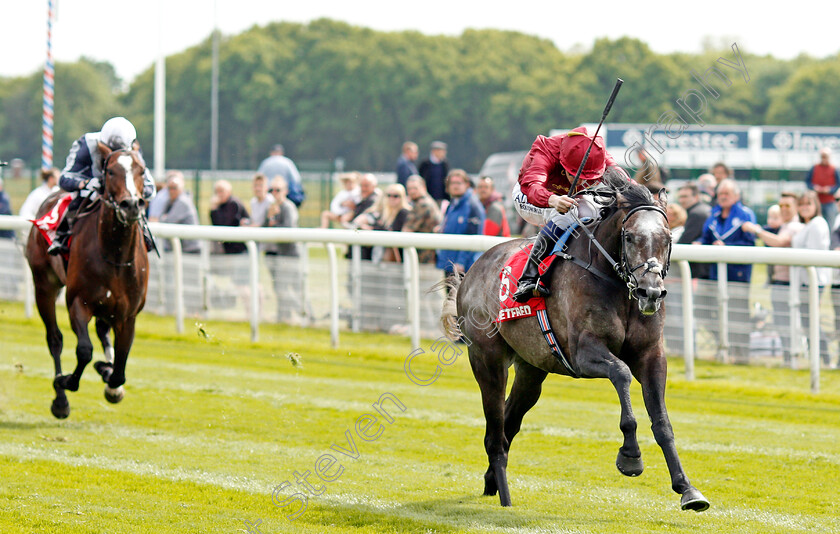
[{"x": 449, "y": 311}]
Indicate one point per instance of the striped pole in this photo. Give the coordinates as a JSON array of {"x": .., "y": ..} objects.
[{"x": 49, "y": 96}]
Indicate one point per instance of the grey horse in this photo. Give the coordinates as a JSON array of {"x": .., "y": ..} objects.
[{"x": 602, "y": 332}]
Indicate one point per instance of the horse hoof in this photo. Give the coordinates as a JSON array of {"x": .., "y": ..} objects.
[
  {"x": 104, "y": 369},
  {"x": 114, "y": 395},
  {"x": 60, "y": 410},
  {"x": 694, "y": 500},
  {"x": 490, "y": 487},
  {"x": 629, "y": 466}
]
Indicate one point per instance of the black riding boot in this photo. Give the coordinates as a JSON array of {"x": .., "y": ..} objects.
[
  {"x": 529, "y": 285},
  {"x": 62, "y": 236}
]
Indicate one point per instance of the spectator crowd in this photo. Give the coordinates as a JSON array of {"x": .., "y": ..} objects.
[{"x": 429, "y": 197}]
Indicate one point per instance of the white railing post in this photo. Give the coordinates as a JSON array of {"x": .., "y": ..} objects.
[
  {"x": 304, "y": 285},
  {"x": 28, "y": 289},
  {"x": 160, "y": 273},
  {"x": 178, "y": 266},
  {"x": 814, "y": 327},
  {"x": 254, "y": 279},
  {"x": 356, "y": 287},
  {"x": 205, "y": 275},
  {"x": 333, "y": 263},
  {"x": 412, "y": 270},
  {"x": 688, "y": 319},
  {"x": 723, "y": 312},
  {"x": 796, "y": 349}
]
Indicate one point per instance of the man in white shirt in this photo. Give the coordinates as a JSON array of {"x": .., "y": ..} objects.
[{"x": 30, "y": 206}]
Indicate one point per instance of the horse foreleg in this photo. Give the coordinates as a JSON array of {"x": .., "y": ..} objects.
[
  {"x": 596, "y": 361},
  {"x": 652, "y": 373},
  {"x": 491, "y": 372},
  {"x": 45, "y": 295},
  {"x": 123, "y": 338},
  {"x": 80, "y": 316}
]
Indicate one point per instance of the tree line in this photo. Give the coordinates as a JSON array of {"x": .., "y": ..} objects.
[{"x": 331, "y": 90}]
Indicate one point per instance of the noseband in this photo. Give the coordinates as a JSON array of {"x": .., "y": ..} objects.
[
  {"x": 109, "y": 200},
  {"x": 651, "y": 265}
]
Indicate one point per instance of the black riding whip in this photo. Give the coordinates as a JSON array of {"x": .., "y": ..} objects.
[{"x": 618, "y": 83}]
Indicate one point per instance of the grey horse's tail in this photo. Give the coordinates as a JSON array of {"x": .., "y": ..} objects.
[{"x": 449, "y": 311}]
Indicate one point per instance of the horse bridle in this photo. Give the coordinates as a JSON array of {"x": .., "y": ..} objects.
[
  {"x": 624, "y": 271},
  {"x": 651, "y": 265},
  {"x": 109, "y": 200}
]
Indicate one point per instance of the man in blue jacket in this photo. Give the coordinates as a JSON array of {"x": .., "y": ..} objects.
[
  {"x": 464, "y": 215},
  {"x": 723, "y": 227}
]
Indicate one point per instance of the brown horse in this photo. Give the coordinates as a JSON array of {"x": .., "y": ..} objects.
[
  {"x": 603, "y": 333},
  {"x": 106, "y": 275}
]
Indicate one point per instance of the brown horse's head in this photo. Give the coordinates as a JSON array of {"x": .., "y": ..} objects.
[
  {"x": 645, "y": 244},
  {"x": 122, "y": 172}
]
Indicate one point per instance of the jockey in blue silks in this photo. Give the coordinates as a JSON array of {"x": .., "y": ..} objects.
[{"x": 82, "y": 174}]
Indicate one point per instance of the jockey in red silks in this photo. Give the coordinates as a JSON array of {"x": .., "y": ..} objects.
[
  {"x": 82, "y": 173},
  {"x": 542, "y": 195}
]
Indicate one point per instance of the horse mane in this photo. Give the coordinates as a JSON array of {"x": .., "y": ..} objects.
[{"x": 628, "y": 194}]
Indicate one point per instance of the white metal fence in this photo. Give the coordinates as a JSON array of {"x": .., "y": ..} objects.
[{"x": 728, "y": 321}]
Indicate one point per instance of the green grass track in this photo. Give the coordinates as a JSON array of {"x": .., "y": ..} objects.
[{"x": 211, "y": 424}]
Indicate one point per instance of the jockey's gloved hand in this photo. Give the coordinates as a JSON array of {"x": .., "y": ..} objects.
[{"x": 91, "y": 186}]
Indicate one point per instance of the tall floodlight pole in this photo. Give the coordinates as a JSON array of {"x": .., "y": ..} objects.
[
  {"x": 49, "y": 97},
  {"x": 214, "y": 96},
  {"x": 160, "y": 103}
]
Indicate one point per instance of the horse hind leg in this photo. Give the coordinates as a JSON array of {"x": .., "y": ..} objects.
[
  {"x": 104, "y": 367},
  {"x": 526, "y": 390},
  {"x": 102, "y": 330},
  {"x": 123, "y": 339},
  {"x": 490, "y": 372},
  {"x": 524, "y": 394},
  {"x": 596, "y": 361},
  {"x": 45, "y": 295}
]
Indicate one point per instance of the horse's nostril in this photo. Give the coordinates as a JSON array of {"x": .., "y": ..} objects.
[
  {"x": 651, "y": 294},
  {"x": 142, "y": 203},
  {"x": 125, "y": 204}
]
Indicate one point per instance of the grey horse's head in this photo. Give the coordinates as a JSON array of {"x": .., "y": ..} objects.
[{"x": 645, "y": 243}]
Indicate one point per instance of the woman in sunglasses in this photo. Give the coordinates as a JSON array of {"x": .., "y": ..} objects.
[{"x": 388, "y": 214}]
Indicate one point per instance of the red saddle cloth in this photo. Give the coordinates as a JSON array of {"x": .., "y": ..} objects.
[
  {"x": 48, "y": 223},
  {"x": 510, "y": 309}
]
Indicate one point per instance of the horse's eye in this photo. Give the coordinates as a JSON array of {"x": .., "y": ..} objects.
[{"x": 628, "y": 238}]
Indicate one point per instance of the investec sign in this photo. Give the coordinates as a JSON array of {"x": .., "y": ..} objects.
[
  {"x": 691, "y": 147},
  {"x": 796, "y": 147},
  {"x": 793, "y": 147}
]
